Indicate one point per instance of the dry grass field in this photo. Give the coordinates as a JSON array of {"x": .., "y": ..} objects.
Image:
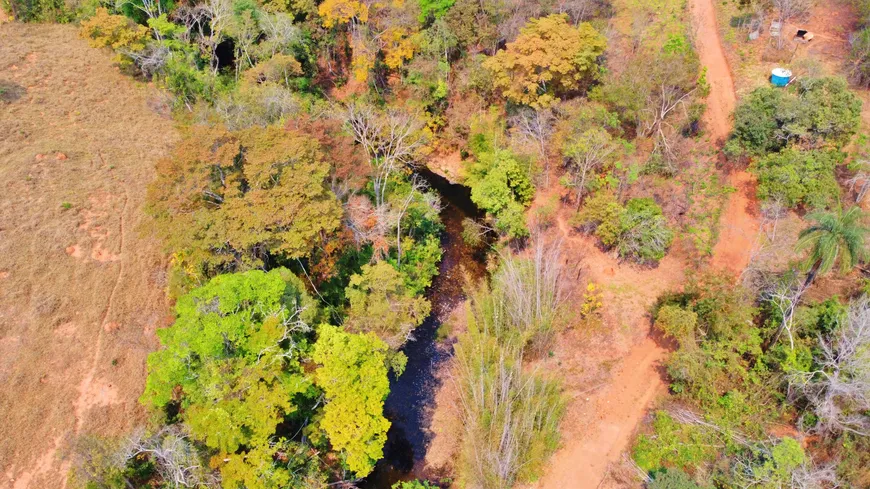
[{"x": 81, "y": 287}]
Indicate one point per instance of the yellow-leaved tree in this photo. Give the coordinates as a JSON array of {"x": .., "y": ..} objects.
[
  {"x": 337, "y": 12},
  {"x": 550, "y": 58},
  {"x": 105, "y": 30},
  {"x": 353, "y": 375}
]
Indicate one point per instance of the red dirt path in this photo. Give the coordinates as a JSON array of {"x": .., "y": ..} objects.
[{"x": 598, "y": 428}]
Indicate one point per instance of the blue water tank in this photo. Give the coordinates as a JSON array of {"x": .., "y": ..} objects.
[{"x": 780, "y": 77}]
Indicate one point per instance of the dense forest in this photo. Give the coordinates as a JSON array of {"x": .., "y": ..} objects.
[{"x": 335, "y": 154}]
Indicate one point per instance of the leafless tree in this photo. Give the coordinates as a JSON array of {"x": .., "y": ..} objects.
[
  {"x": 291, "y": 321},
  {"x": 280, "y": 33},
  {"x": 206, "y": 24},
  {"x": 532, "y": 290},
  {"x": 176, "y": 460},
  {"x": 787, "y": 10},
  {"x": 174, "y": 457},
  {"x": 583, "y": 10},
  {"x": 784, "y": 293},
  {"x": 860, "y": 183},
  {"x": 391, "y": 137},
  {"x": 151, "y": 59},
  {"x": 767, "y": 245},
  {"x": 260, "y": 106},
  {"x": 811, "y": 476},
  {"x": 363, "y": 220},
  {"x": 584, "y": 156},
  {"x": 838, "y": 391},
  {"x": 535, "y": 127},
  {"x": 685, "y": 416},
  {"x": 663, "y": 100}
]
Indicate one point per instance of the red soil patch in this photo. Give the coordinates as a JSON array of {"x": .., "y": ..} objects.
[{"x": 597, "y": 428}]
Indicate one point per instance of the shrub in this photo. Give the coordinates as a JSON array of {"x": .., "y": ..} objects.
[
  {"x": 672, "y": 479},
  {"x": 181, "y": 75},
  {"x": 860, "y": 58},
  {"x": 105, "y": 30},
  {"x": 501, "y": 186},
  {"x": 717, "y": 367},
  {"x": 673, "y": 444},
  {"x": 797, "y": 178},
  {"x": 772, "y": 468},
  {"x": 601, "y": 215},
  {"x": 811, "y": 113},
  {"x": 510, "y": 416},
  {"x": 644, "y": 233},
  {"x": 532, "y": 293},
  {"x": 416, "y": 484},
  {"x": 676, "y": 322},
  {"x": 281, "y": 68},
  {"x": 37, "y": 10}
]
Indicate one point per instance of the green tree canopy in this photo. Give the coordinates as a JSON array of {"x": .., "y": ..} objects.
[
  {"x": 795, "y": 177},
  {"x": 232, "y": 362},
  {"x": 812, "y": 113},
  {"x": 353, "y": 375},
  {"x": 381, "y": 303},
  {"x": 645, "y": 236},
  {"x": 501, "y": 186}
]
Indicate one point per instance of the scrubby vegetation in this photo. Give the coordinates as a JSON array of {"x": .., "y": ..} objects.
[
  {"x": 734, "y": 376},
  {"x": 510, "y": 417},
  {"x": 305, "y": 238}
]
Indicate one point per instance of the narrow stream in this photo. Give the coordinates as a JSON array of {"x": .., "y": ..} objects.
[{"x": 413, "y": 392}]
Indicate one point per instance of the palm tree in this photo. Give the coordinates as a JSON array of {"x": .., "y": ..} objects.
[{"x": 834, "y": 237}]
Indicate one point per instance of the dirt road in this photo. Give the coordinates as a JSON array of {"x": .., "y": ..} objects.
[
  {"x": 738, "y": 226},
  {"x": 599, "y": 427},
  {"x": 81, "y": 290}
]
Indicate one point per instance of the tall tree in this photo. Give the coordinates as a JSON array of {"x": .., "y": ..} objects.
[
  {"x": 835, "y": 237},
  {"x": 380, "y": 303},
  {"x": 232, "y": 361},
  {"x": 353, "y": 375},
  {"x": 232, "y": 200},
  {"x": 550, "y": 58},
  {"x": 392, "y": 138}
]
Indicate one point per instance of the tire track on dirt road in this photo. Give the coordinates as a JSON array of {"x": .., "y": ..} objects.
[{"x": 614, "y": 413}]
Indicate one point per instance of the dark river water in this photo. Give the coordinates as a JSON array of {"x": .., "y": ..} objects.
[{"x": 413, "y": 392}]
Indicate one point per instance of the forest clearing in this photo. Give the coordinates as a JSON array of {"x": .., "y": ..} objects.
[
  {"x": 82, "y": 292},
  {"x": 479, "y": 244}
]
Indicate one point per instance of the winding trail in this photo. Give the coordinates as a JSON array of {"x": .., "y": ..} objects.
[{"x": 610, "y": 416}]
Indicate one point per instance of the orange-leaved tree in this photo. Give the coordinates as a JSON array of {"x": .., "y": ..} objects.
[
  {"x": 550, "y": 58},
  {"x": 228, "y": 201}
]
